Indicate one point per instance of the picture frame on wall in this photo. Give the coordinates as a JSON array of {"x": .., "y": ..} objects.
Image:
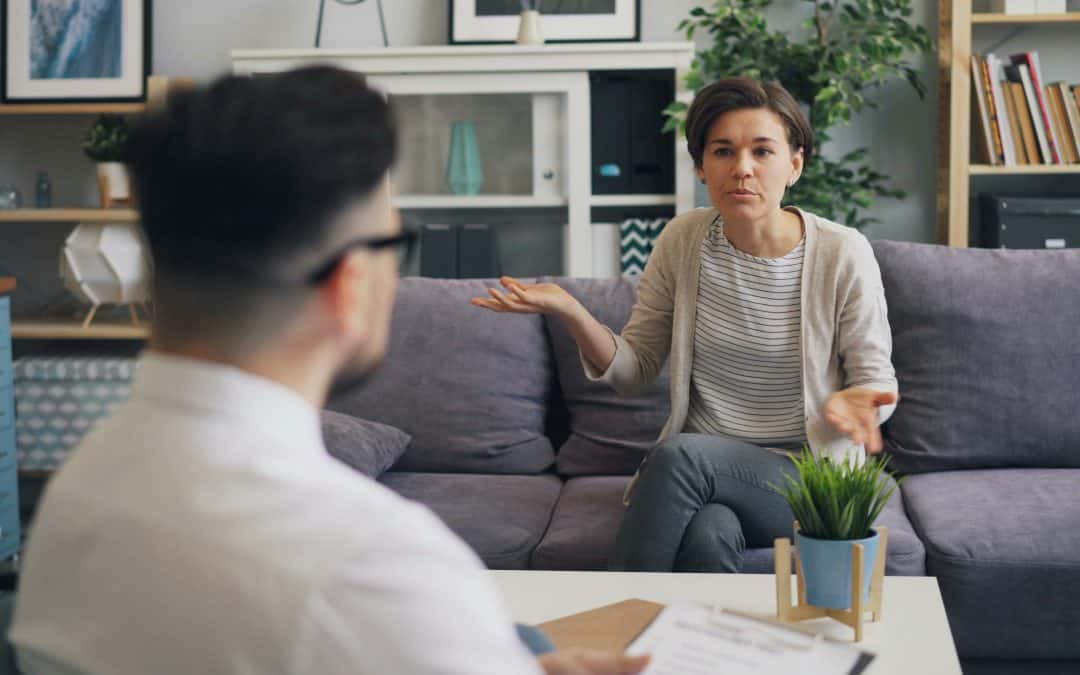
[
  {"x": 496, "y": 21},
  {"x": 69, "y": 51}
]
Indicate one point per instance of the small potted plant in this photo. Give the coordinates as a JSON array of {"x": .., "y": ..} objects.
[
  {"x": 104, "y": 143},
  {"x": 836, "y": 504}
]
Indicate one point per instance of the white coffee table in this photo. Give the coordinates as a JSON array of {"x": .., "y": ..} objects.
[{"x": 913, "y": 636}]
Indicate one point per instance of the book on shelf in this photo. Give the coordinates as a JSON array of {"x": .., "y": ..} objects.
[
  {"x": 984, "y": 126},
  {"x": 1061, "y": 124},
  {"x": 1072, "y": 115},
  {"x": 1015, "y": 91},
  {"x": 1019, "y": 74},
  {"x": 992, "y": 73},
  {"x": 1014, "y": 125},
  {"x": 1031, "y": 61}
]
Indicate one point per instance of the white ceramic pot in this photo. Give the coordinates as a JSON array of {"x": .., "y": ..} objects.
[
  {"x": 115, "y": 178},
  {"x": 529, "y": 32}
]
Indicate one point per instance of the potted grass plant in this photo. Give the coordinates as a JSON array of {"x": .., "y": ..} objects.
[
  {"x": 104, "y": 143},
  {"x": 836, "y": 504}
]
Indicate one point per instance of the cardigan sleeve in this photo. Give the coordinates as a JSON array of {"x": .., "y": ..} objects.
[
  {"x": 864, "y": 338},
  {"x": 642, "y": 348}
]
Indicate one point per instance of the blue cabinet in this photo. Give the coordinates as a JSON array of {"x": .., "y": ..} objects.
[{"x": 10, "y": 531}]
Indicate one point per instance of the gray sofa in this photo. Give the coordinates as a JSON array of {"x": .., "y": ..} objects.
[{"x": 527, "y": 461}]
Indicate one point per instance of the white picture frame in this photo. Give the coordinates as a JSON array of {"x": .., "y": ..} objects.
[
  {"x": 58, "y": 76},
  {"x": 622, "y": 25}
]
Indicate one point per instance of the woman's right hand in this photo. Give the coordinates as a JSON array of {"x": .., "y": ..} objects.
[{"x": 522, "y": 298}]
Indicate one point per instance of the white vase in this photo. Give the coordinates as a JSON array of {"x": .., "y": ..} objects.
[
  {"x": 115, "y": 182},
  {"x": 106, "y": 263},
  {"x": 529, "y": 32}
]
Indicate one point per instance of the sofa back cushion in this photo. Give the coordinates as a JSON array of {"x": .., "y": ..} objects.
[
  {"x": 986, "y": 345},
  {"x": 470, "y": 386},
  {"x": 609, "y": 434}
]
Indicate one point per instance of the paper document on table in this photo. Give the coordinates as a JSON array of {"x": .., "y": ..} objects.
[{"x": 698, "y": 639}]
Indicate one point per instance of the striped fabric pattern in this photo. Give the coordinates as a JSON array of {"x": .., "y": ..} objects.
[{"x": 746, "y": 377}]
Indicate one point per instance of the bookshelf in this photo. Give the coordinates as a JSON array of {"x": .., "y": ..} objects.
[{"x": 955, "y": 168}]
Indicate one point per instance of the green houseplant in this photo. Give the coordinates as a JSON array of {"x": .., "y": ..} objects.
[
  {"x": 850, "y": 48},
  {"x": 104, "y": 142},
  {"x": 836, "y": 505}
]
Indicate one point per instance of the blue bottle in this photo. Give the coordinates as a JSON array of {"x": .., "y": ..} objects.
[{"x": 43, "y": 191}]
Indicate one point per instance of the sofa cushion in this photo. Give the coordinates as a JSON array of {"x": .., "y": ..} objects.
[
  {"x": 469, "y": 385},
  {"x": 369, "y": 447},
  {"x": 609, "y": 434},
  {"x": 1005, "y": 547},
  {"x": 582, "y": 531},
  {"x": 986, "y": 355},
  {"x": 501, "y": 517}
]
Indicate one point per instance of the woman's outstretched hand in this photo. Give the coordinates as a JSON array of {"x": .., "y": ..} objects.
[
  {"x": 854, "y": 412},
  {"x": 522, "y": 298}
]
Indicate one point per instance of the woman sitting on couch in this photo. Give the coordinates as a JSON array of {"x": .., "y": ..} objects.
[{"x": 776, "y": 326}]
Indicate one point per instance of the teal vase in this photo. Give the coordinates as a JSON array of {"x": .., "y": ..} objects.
[{"x": 464, "y": 173}]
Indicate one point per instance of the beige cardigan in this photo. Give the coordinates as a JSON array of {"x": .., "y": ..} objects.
[{"x": 846, "y": 339}]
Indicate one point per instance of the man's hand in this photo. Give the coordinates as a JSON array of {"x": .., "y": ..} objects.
[
  {"x": 591, "y": 662},
  {"x": 854, "y": 412}
]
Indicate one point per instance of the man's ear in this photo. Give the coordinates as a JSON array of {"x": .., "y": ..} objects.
[{"x": 344, "y": 295}]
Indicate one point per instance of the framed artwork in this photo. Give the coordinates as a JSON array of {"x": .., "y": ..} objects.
[
  {"x": 486, "y": 21},
  {"x": 65, "y": 51}
]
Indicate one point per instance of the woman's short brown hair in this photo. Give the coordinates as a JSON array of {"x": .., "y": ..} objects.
[{"x": 739, "y": 93}]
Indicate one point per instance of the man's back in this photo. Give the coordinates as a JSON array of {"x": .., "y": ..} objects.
[{"x": 203, "y": 529}]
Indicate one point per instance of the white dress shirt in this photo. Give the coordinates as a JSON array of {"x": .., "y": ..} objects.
[{"x": 204, "y": 529}]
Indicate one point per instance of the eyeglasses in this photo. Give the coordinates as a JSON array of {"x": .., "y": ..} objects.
[{"x": 404, "y": 243}]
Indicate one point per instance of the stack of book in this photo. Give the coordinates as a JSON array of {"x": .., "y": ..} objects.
[{"x": 1019, "y": 117}]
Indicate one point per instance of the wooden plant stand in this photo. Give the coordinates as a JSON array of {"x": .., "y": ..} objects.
[{"x": 788, "y": 612}]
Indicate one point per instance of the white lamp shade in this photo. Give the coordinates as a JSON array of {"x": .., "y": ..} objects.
[{"x": 105, "y": 263}]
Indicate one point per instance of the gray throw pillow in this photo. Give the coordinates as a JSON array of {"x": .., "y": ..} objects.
[{"x": 369, "y": 447}]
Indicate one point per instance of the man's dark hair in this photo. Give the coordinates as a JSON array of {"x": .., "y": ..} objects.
[
  {"x": 739, "y": 93},
  {"x": 241, "y": 181}
]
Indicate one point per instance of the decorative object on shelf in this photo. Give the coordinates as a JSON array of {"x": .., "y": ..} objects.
[
  {"x": 59, "y": 399},
  {"x": 1013, "y": 6},
  {"x": 636, "y": 240},
  {"x": 99, "y": 53},
  {"x": 464, "y": 173},
  {"x": 43, "y": 191},
  {"x": 485, "y": 21},
  {"x": 840, "y": 554},
  {"x": 529, "y": 29},
  {"x": 10, "y": 198},
  {"x": 831, "y": 71},
  {"x": 107, "y": 264},
  {"x": 347, "y": 29},
  {"x": 1050, "y": 6},
  {"x": 104, "y": 143}
]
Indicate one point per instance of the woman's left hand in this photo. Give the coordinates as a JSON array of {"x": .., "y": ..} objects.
[{"x": 854, "y": 412}]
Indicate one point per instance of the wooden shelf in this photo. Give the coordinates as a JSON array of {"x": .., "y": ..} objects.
[
  {"x": 476, "y": 201},
  {"x": 1068, "y": 17},
  {"x": 69, "y": 216},
  {"x": 71, "y": 108},
  {"x": 73, "y": 330},
  {"x": 632, "y": 200},
  {"x": 1034, "y": 169}
]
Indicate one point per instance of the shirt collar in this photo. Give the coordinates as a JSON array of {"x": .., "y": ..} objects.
[{"x": 215, "y": 390}]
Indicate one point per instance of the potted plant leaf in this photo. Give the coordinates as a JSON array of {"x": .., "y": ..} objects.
[
  {"x": 104, "y": 143},
  {"x": 836, "y": 504}
]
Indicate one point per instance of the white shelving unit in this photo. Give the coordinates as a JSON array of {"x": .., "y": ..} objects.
[{"x": 555, "y": 78}]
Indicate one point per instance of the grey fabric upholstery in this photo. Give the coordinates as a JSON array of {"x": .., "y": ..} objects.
[
  {"x": 369, "y": 447},
  {"x": 501, "y": 517},
  {"x": 582, "y": 531},
  {"x": 470, "y": 386},
  {"x": 987, "y": 356},
  {"x": 1005, "y": 547},
  {"x": 609, "y": 434}
]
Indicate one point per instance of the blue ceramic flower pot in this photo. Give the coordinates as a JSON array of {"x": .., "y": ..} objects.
[{"x": 826, "y": 567}]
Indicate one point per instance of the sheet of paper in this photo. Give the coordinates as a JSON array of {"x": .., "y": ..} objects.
[{"x": 692, "y": 639}]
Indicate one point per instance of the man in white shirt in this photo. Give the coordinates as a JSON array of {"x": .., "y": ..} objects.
[{"x": 204, "y": 528}]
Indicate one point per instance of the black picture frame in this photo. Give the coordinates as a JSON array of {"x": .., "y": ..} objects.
[
  {"x": 82, "y": 92},
  {"x": 462, "y": 36}
]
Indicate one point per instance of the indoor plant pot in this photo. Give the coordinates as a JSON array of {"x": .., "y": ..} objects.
[{"x": 104, "y": 143}]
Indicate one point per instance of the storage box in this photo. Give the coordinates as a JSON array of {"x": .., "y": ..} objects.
[
  {"x": 1029, "y": 222},
  {"x": 57, "y": 400}
]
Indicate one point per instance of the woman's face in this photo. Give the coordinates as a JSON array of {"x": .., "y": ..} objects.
[{"x": 748, "y": 164}]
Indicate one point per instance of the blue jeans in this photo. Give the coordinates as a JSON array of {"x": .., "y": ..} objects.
[{"x": 699, "y": 501}]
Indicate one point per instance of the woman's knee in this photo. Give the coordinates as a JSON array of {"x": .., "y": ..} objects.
[
  {"x": 713, "y": 542},
  {"x": 701, "y": 452}
]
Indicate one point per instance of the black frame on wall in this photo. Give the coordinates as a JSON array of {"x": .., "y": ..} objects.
[
  {"x": 147, "y": 61},
  {"x": 511, "y": 39}
]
